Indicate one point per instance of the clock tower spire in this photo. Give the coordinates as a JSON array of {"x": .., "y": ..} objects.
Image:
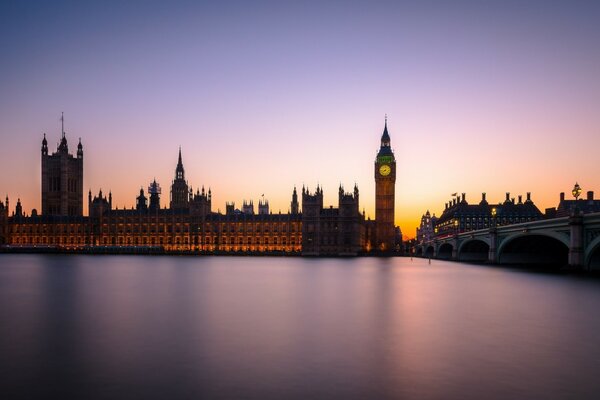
[{"x": 385, "y": 181}]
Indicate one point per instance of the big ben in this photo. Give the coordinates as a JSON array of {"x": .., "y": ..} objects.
[{"x": 385, "y": 181}]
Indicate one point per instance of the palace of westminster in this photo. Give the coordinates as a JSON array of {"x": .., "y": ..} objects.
[{"x": 190, "y": 225}]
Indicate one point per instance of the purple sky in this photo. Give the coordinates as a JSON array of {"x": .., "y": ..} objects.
[{"x": 480, "y": 96}]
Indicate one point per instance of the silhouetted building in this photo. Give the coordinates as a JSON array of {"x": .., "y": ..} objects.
[
  {"x": 583, "y": 206},
  {"x": 460, "y": 216},
  {"x": 385, "y": 188},
  {"x": 62, "y": 179},
  {"x": 189, "y": 224},
  {"x": 332, "y": 231}
]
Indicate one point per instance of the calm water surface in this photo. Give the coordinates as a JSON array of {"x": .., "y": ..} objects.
[{"x": 107, "y": 327}]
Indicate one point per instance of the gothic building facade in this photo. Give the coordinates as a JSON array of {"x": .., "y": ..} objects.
[{"x": 189, "y": 224}]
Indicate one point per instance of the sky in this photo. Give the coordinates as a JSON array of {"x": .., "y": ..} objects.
[{"x": 481, "y": 96}]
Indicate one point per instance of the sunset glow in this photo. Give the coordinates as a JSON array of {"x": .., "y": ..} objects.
[{"x": 264, "y": 98}]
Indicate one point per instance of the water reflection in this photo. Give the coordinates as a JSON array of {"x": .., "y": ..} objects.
[{"x": 187, "y": 327}]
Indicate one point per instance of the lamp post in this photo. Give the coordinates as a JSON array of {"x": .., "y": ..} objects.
[
  {"x": 455, "y": 241},
  {"x": 493, "y": 237},
  {"x": 576, "y": 193},
  {"x": 576, "y": 190}
]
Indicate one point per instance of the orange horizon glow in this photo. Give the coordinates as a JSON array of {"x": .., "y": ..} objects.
[
  {"x": 488, "y": 98},
  {"x": 409, "y": 209}
]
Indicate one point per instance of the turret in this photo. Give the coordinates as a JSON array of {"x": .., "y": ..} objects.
[
  {"x": 229, "y": 208},
  {"x": 263, "y": 207},
  {"x": 141, "y": 201},
  {"x": 80, "y": 150},
  {"x": 19, "y": 209},
  {"x": 44, "y": 146},
  {"x": 294, "y": 205},
  {"x": 154, "y": 191},
  {"x": 248, "y": 207}
]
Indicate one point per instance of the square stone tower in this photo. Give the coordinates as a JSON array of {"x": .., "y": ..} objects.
[{"x": 62, "y": 179}]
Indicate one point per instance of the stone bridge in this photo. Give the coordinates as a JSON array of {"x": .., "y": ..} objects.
[{"x": 569, "y": 241}]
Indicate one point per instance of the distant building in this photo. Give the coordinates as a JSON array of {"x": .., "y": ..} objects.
[
  {"x": 425, "y": 230},
  {"x": 460, "y": 216},
  {"x": 567, "y": 207}
]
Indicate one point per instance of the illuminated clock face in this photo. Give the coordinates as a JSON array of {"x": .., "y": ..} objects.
[{"x": 385, "y": 170}]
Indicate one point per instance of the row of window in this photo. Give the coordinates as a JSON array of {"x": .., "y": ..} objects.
[
  {"x": 152, "y": 228},
  {"x": 155, "y": 241}
]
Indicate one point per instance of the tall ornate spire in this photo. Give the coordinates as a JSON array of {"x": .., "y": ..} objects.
[
  {"x": 44, "y": 145},
  {"x": 385, "y": 138},
  {"x": 63, "y": 147},
  {"x": 79, "y": 149},
  {"x": 179, "y": 172}
]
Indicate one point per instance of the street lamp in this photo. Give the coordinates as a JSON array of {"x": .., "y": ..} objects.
[
  {"x": 456, "y": 225},
  {"x": 494, "y": 212},
  {"x": 576, "y": 190}
]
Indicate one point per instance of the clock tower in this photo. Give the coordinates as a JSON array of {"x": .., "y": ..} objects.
[{"x": 385, "y": 180}]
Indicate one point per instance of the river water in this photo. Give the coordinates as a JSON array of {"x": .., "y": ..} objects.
[{"x": 159, "y": 327}]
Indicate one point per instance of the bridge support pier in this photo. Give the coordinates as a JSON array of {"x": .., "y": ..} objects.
[
  {"x": 492, "y": 255},
  {"x": 455, "y": 248},
  {"x": 576, "y": 244}
]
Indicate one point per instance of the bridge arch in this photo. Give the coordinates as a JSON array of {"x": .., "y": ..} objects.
[
  {"x": 592, "y": 255},
  {"x": 429, "y": 251},
  {"x": 547, "y": 248},
  {"x": 419, "y": 251},
  {"x": 445, "y": 251},
  {"x": 474, "y": 250}
]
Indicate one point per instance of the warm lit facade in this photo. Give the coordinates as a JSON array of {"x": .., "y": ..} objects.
[{"x": 188, "y": 224}]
